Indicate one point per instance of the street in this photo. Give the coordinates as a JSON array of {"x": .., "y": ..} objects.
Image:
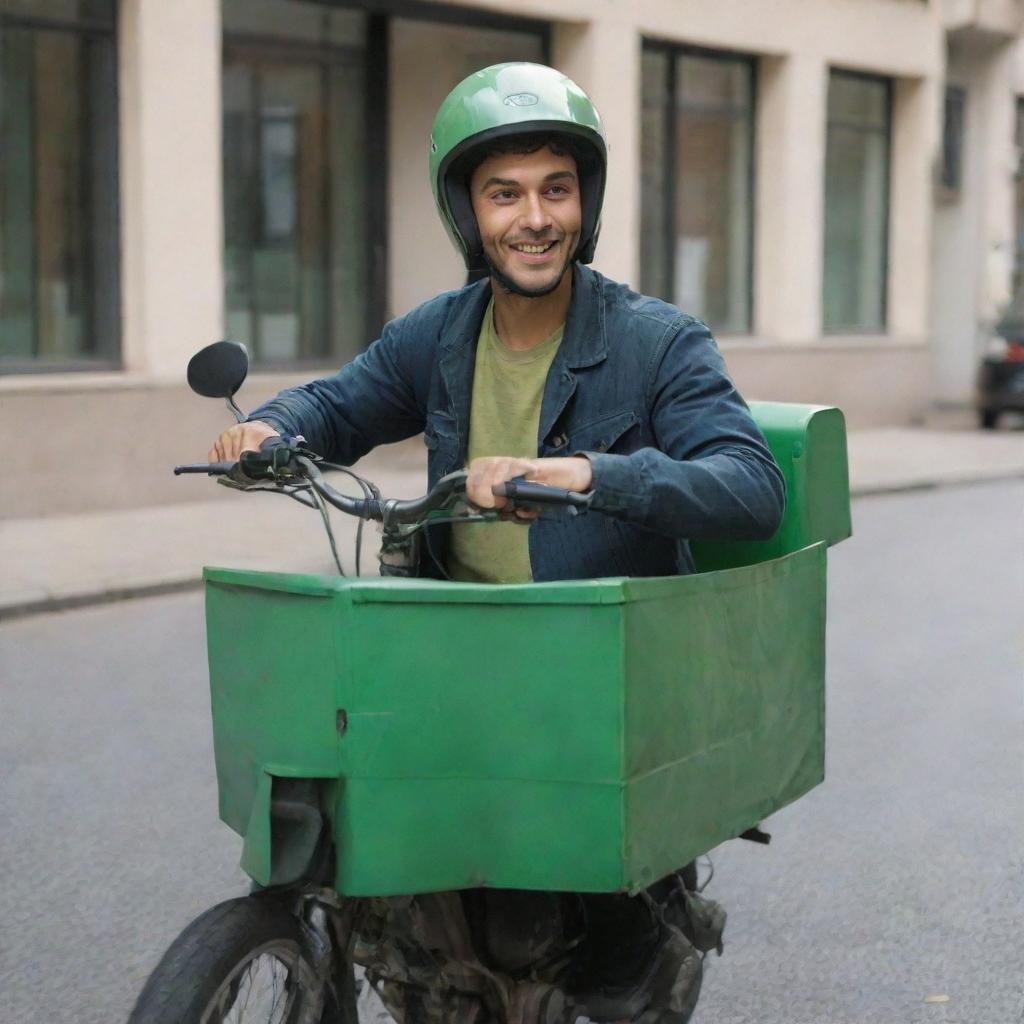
[{"x": 892, "y": 894}]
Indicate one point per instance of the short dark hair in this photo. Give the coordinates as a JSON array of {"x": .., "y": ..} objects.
[{"x": 521, "y": 145}]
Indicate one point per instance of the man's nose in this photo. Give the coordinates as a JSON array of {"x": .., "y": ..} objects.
[{"x": 535, "y": 215}]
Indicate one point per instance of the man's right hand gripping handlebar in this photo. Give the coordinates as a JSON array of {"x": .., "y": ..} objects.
[{"x": 497, "y": 482}]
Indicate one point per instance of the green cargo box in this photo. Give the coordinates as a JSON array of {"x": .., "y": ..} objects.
[{"x": 587, "y": 736}]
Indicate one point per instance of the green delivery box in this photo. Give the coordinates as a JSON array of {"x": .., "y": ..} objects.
[{"x": 587, "y": 736}]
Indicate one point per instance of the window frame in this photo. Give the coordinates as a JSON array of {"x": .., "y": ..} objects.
[
  {"x": 85, "y": 27},
  {"x": 890, "y": 96},
  {"x": 255, "y": 46},
  {"x": 450, "y": 14},
  {"x": 675, "y": 50}
]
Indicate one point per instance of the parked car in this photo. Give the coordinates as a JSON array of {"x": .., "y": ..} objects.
[{"x": 1001, "y": 373}]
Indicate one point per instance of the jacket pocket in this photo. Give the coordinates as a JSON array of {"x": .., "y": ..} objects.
[
  {"x": 442, "y": 451},
  {"x": 606, "y": 434}
]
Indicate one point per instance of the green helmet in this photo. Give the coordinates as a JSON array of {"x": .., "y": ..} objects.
[{"x": 504, "y": 100}]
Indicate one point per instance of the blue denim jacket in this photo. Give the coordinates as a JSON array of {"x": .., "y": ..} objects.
[{"x": 636, "y": 385}]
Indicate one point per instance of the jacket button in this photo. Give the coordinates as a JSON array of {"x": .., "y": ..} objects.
[{"x": 559, "y": 441}]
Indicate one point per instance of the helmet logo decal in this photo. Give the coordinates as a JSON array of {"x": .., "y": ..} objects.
[{"x": 521, "y": 99}]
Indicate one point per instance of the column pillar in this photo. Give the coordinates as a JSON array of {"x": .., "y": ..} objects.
[
  {"x": 790, "y": 190},
  {"x": 917, "y": 115},
  {"x": 997, "y": 228},
  {"x": 171, "y": 211},
  {"x": 603, "y": 58}
]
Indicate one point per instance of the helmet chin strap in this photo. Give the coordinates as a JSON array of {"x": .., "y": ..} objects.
[{"x": 508, "y": 284}]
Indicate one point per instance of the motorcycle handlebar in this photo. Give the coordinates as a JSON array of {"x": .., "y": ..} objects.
[
  {"x": 210, "y": 468},
  {"x": 390, "y": 509},
  {"x": 280, "y": 456}
]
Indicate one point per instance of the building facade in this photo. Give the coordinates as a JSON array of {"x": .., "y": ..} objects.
[{"x": 835, "y": 186}]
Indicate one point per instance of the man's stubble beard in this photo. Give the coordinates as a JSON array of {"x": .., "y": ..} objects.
[{"x": 510, "y": 285}]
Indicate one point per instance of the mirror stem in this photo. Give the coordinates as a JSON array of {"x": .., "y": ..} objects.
[{"x": 235, "y": 411}]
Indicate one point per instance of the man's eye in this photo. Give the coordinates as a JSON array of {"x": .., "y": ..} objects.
[{"x": 504, "y": 194}]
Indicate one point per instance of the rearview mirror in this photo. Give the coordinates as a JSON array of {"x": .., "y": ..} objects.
[{"x": 218, "y": 370}]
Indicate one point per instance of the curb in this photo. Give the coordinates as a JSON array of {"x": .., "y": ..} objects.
[
  {"x": 88, "y": 598},
  {"x": 938, "y": 483},
  {"x": 19, "y": 609}
]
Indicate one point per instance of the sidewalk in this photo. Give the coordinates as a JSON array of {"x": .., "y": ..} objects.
[{"x": 68, "y": 561}]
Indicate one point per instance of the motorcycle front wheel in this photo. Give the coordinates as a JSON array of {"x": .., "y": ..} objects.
[{"x": 241, "y": 962}]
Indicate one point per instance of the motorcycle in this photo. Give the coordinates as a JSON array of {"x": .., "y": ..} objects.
[{"x": 446, "y": 832}]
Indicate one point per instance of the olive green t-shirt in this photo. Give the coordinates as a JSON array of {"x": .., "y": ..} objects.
[{"x": 504, "y": 419}]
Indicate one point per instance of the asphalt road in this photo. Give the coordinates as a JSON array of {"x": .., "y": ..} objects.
[{"x": 896, "y": 884}]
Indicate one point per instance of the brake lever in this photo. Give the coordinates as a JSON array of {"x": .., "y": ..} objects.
[{"x": 277, "y": 460}]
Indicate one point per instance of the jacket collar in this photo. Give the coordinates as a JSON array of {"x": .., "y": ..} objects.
[{"x": 584, "y": 343}]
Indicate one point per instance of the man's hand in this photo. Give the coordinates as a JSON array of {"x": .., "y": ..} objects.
[
  {"x": 571, "y": 474},
  {"x": 242, "y": 437}
]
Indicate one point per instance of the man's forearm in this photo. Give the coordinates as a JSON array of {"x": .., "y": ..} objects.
[{"x": 729, "y": 494}]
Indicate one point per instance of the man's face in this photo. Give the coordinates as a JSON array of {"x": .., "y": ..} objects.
[{"x": 528, "y": 211}]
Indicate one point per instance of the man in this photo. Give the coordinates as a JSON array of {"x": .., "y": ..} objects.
[{"x": 549, "y": 370}]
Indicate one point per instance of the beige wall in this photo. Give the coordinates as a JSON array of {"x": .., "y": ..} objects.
[
  {"x": 172, "y": 294},
  {"x": 875, "y": 383},
  {"x": 993, "y": 18},
  {"x": 113, "y": 444}
]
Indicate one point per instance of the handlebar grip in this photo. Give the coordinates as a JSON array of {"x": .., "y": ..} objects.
[
  {"x": 210, "y": 468},
  {"x": 530, "y": 493}
]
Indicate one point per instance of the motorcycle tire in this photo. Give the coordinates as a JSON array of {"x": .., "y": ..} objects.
[{"x": 242, "y": 960}]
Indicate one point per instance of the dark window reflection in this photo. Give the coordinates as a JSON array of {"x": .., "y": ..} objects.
[
  {"x": 856, "y": 203},
  {"x": 297, "y": 258},
  {"x": 697, "y": 206},
  {"x": 58, "y": 185}
]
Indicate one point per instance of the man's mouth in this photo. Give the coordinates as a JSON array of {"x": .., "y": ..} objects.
[{"x": 533, "y": 248}]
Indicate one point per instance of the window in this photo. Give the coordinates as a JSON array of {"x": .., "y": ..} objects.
[
  {"x": 59, "y": 300},
  {"x": 856, "y": 203},
  {"x": 697, "y": 183},
  {"x": 303, "y": 278},
  {"x": 951, "y": 176}
]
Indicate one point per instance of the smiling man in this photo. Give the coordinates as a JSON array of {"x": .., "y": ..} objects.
[{"x": 547, "y": 369}]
